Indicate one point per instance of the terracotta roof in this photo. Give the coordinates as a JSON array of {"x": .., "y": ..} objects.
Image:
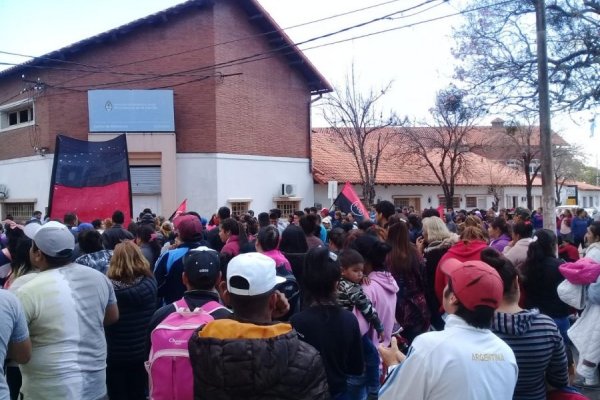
[
  {"x": 332, "y": 161},
  {"x": 583, "y": 186},
  {"x": 256, "y": 14},
  {"x": 497, "y": 136}
]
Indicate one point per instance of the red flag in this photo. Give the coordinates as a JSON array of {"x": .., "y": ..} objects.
[
  {"x": 348, "y": 202},
  {"x": 180, "y": 210}
]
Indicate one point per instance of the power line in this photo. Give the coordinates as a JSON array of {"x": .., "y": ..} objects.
[
  {"x": 196, "y": 49},
  {"x": 182, "y": 73},
  {"x": 271, "y": 54},
  {"x": 275, "y": 50}
]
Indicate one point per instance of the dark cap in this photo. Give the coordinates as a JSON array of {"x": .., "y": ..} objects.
[
  {"x": 523, "y": 213},
  {"x": 147, "y": 218},
  {"x": 189, "y": 228},
  {"x": 202, "y": 267}
]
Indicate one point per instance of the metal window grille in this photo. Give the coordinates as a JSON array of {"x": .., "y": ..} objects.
[
  {"x": 287, "y": 207},
  {"x": 402, "y": 202},
  {"x": 455, "y": 202},
  {"x": 471, "y": 201},
  {"x": 239, "y": 207},
  {"x": 20, "y": 211}
]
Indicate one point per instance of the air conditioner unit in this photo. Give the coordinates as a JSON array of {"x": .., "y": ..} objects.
[
  {"x": 3, "y": 192},
  {"x": 288, "y": 189}
]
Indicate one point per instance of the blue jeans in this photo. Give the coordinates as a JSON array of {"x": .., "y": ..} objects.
[
  {"x": 367, "y": 383},
  {"x": 563, "y": 326}
]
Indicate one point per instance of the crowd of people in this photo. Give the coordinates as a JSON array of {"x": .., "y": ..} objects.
[{"x": 315, "y": 305}]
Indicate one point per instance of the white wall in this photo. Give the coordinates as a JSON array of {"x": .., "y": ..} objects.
[
  {"x": 594, "y": 194},
  {"x": 27, "y": 179},
  {"x": 428, "y": 192},
  {"x": 208, "y": 181}
]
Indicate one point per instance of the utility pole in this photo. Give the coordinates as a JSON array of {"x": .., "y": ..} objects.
[{"x": 548, "y": 200}]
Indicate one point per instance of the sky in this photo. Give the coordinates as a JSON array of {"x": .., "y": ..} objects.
[{"x": 415, "y": 56}]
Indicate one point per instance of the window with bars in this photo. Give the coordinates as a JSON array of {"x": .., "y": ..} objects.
[
  {"x": 401, "y": 201},
  {"x": 471, "y": 201},
  {"x": 239, "y": 207},
  {"x": 287, "y": 207},
  {"x": 455, "y": 202},
  {"x": 20, "y": 211}
]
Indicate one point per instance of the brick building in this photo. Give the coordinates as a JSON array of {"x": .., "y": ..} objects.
[{"x": 241, "y": 105}]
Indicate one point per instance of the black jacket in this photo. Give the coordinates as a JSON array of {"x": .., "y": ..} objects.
[
  {"x": 540, "y": 289},
  {"x": 297, "y": 262},
  {"x": 115, "y": 235},
  {"x": 214, "y": 240},
  {"x": 277, "y": 366},
  {"x": 126, "y": 339},
  {"x": 334, "y": 332},
  {"x": 432, "y": 255}
]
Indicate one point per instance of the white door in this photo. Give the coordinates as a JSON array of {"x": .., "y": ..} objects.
[
  {"x": 146, "y": 201},
  {"x": 145, "y": 189}
]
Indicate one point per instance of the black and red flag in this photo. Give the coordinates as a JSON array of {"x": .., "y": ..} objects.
[
  {"x": 348, "y": 202},
  {"x": 180, "y": 210},
  {"x": 90, "y": 178}
]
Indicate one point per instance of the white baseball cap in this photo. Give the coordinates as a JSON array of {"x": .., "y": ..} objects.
[
  {"x": 53, "y": 238},
  {"x": 252, "y": 274}
]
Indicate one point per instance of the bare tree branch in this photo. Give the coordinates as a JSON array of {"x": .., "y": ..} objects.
[{"x": 365, "y": 133}]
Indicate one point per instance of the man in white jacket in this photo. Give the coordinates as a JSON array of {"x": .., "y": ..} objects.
[{"x": 465, "y": 361}]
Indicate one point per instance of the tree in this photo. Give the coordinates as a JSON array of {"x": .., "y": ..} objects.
[
  {"x": 499, "y": 177},
  {"x": 524, "y": 140},
  {"x": 497, "y": 53},
  {"x": 567, "y": 166},
  {"x": 589, "y": 175},
  {"x": 444, "y": 146},
  {"x": 357, "y": 119}
]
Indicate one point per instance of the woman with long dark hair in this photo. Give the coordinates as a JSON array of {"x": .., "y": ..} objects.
[
  {"x": 147, "y": 239},
  {"x": 500, "y": 235},
  {"x": 541, "y": 277},
  {"x": 293, "y": 245},
  {"x": 267, "y": 243},
  {"x": 233, "y": 234},
  {"x": 325, "y": 325},
  {"x": 407, "y": 268}
]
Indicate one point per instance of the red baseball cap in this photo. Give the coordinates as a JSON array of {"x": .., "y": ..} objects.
[
  {"x": 474, "y": 283},
  {"x": 189, "y": 227}
]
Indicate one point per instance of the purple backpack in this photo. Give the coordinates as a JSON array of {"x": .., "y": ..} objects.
[{"x": 169, "y": 369}]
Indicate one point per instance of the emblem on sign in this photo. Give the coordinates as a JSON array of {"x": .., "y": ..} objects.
[{"x": 108, "y": 106}]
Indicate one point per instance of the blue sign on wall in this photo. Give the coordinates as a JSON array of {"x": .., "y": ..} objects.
[{"x": 131, "y": 111}]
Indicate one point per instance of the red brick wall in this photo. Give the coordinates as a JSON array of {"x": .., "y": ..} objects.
[
  {"x": 263, "y": 111},
  {"x": 20, "y": 142}
]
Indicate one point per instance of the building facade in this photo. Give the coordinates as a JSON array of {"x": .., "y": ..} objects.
[{"x": 241, "y": 105}]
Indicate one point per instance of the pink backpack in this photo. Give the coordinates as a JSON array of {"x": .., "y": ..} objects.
[{"x": 169, "y": 368}]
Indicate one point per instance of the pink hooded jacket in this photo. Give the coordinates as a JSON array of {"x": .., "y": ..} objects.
[{"x": 382, "y": 293}]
